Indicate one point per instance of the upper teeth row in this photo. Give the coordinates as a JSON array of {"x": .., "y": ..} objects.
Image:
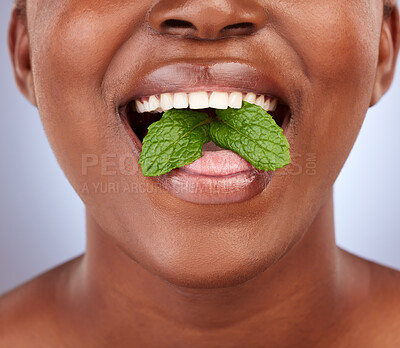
[{"x": 203, "y": 100}]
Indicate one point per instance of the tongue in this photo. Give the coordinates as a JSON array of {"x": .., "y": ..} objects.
[
  {"x": 218, "y": 162},
  {"x": 210, "y": 146}
]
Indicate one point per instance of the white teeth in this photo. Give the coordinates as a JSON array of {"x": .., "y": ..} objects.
[
  {"x": 219, "y": 100},
  {"x": 250, "y": 98},
  {"x": 146, "y": 106},
  {"x": 203, "y": 100},
  {"x": 260, "y": 101},
  {"x": 266, "y": 104},
  {"x": 199, "y": 100},
  {"x": 235, "y": 100},
  {"x": 273, "y": 104},
  {"x": 181, "y": 101},
  {"x": 154, "y": 103},
  {"x": 167, "y": 101},
  {"x": 139, "y": 107}
]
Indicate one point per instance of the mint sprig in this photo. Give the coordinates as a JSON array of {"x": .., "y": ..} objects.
[
  {"x": 175, "y": 140},
  {"x": 178, "y": 138},
  {"x": 252, "y": 133}
]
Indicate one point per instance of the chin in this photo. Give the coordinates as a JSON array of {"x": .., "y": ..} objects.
[
  {"x": 206, "y": 275},
  {"x": 218, "y": 266}
]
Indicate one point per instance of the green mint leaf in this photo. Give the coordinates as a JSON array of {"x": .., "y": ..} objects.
[
  {"x": 175, "y": 140},
  {"x": 253, "y": 134}
]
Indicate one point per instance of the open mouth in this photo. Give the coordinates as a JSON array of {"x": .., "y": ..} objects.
[
  {"x": 220, "y": 176},
  {"x": 142, "y": 112}
]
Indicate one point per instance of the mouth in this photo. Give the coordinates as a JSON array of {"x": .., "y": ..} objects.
[{"x": 219, "y": 176}]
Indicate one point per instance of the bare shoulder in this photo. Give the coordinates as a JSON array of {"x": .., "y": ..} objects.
[
  {"x": 378, "y": 317},
  {"x": 385, "y": 289},
  {"x": 29, "y": 314},
  {"x": 384, "y": 285}
]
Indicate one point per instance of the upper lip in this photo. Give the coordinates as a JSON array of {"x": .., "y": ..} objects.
[{"x": 220, "y": 76}]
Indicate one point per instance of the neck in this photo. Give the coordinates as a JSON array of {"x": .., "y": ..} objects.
[{"x": 277, "y": 304}]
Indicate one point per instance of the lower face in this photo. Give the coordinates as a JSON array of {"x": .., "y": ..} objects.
[{"x": 92, "y": 59}]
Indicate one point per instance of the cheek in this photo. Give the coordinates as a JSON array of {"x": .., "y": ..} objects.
[
  {"x": 83, "y": 36},
  {"x": 75, "y": 50},
  {"x": 338, "y": 43},
  {"x": 334, "y": 37},
  {"x": 70, "y": 58}
]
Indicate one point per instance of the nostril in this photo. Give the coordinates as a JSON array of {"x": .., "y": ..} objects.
[
  {"x": 245, "y": 25},
  {"x": 244, "y": 28},
  {"x": 176, "y": 24}
]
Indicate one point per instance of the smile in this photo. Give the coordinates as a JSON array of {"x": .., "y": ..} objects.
[{"x": 219, "y": 176}]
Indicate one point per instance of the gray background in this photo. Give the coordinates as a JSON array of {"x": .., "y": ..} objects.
[{"x": 42, "y": 219}]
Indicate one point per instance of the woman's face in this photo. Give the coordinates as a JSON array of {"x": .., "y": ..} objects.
[{"x": 90, "y": 58}]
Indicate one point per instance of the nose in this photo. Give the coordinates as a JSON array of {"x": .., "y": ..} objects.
[{"x": 207, "y": 19}]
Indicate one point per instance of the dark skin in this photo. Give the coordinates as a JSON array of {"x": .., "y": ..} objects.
[{"x": 156, "y": 272}]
